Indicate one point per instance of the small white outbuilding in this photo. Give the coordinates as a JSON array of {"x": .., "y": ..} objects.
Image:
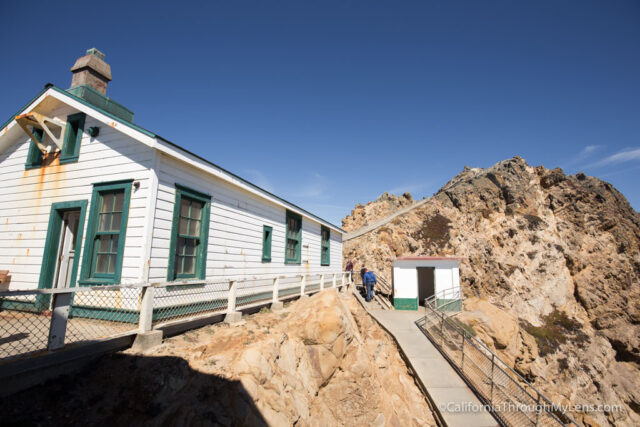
[{"x": 416, "y": 278}]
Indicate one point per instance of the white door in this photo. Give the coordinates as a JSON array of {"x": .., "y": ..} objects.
[{"x": 67, "y": 250}]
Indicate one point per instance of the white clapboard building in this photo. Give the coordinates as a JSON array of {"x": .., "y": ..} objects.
[
  {"x": 420, "y": 278},
  {"x": 89, "y": 198}
]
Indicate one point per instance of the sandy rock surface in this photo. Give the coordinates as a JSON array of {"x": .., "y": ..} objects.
[
  {"x": 383, "y": 206},
  {"x": 545, "y": 255},
  {"x": 322, "y": 361}
]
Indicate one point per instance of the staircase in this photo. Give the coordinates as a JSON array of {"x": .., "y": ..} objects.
[
  {"x": 381, "y": 296},
  {"x": 377, "y": 224},
  {"x": 493, "y": 380}
]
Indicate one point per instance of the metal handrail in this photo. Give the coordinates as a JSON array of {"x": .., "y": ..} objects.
[
  {"x": 384, "y": 284},
  {"x": 452, "y": 294},
  {"x": 498, "y": 364}
]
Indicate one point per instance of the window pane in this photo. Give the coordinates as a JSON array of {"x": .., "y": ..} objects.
[
  {"x": 105, "y": 222},
  {"x": 196, "y": 210},
  {"x": 114, "y": 243},
  {"x": 190, "y": 247},
  {"x": 105, "y": 244},
  {"x": 180, "y": 246},
  {"x": 107, "y": 202},
  {"x": 188, "y": 265},
  {"x": 101, "y": 263},
  {"x": 116, "y": 218},
  {"x": 291, "y": 249},
  {"x": 183, "y": 226},
  {"x": 184, "y": 207},
  {"x": 119, "y": 202},
  {"x": 194, "y": 228},
  {"x": 112, "y": 264}
]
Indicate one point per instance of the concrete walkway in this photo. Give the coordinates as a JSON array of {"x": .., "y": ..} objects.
[{"x": 447, "y": 390}]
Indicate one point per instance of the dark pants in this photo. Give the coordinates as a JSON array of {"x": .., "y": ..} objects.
[{"x": 369, "y": 291}]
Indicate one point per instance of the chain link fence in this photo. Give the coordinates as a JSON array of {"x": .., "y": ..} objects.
[
  {"x": 514, "y": 400},
  {"x": 22, "y": 332},
  {"x": 26, "y": 318},
  {"x": 42, "y": 320},
  {"x": 174, "y": 302}
]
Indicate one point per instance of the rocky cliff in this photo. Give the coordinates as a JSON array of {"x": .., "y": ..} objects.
[
  {"x": 370, "y": 212},
  {"x": 322, "y": 361},
  {"x": 550, "y": 270}
]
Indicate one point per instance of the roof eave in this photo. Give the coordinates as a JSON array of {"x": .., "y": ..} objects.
[{"x": 145, "y": 138}]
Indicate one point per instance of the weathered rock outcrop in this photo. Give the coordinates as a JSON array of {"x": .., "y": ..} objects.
[
  {"x": 322, "y": 361},
  {"x": 384, "y": 206},
  {"x": 558, "y": 254}
]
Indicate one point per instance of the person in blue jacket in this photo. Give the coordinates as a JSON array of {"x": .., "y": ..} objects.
[{"x": 370, "y": 281}]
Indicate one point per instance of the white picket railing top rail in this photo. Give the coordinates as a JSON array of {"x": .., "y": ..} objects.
[{"x": 49, "y": 291}]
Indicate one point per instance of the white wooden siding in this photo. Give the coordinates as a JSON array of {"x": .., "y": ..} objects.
[
  {"x": 236, "y": 223},
  {"x": 235, "y": 231},
  {"x": 26, "y": 197}
]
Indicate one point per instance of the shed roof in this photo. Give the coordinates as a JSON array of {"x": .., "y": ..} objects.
[{"x": 427, "y": 258}]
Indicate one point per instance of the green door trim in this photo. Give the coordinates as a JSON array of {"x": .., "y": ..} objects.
[{"x": 52, "y": 244}]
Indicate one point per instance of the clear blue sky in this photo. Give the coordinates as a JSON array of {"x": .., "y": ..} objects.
[{"x": 330, "y": 103}]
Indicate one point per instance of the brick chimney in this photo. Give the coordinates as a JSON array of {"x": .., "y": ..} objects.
[{"x": 91, "y": 70}]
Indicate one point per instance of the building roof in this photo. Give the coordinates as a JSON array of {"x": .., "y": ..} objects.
[
  {"x": 427, "y": 258},
  {"x": 50, "y": 86}
]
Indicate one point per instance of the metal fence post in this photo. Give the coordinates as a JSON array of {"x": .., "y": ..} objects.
[
  {"x": 231, "y": 306},
  {"x": 441, "y": 328},
  {"x": 303, "y": 282},
  {"x": 537, "y": 408},
  {"x": 276, "y": 292},
  {"x": 462, "y": 350},
  {"x": 146, "y": 309},
  {"x": 493, "y": 364},
  {"x": 321, "y": 281},
  {"x": 59, "y": 315}
]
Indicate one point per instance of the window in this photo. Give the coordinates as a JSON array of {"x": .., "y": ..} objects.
[
  {"x": 189, "y": 235},
  {"x": 104, "y": 246},
  {"x": 266, "y": 243},
  {"x": 293, "y": 239},
  {"x": 325, "y": 246},
  {"x": 34, "y": 156},
  {"x": 72, "y": 138}
]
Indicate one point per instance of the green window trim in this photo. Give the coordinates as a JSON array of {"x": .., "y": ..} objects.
[
  {"x": 200, "y": 239},
  {"x": 72, "y": 138},
  {"x": 34, "y": 155},
  {"x": 92, "y": 244},
  {"x": 267, "y": 235},
  {"x": 293, "y": 239},
  {"x": 325, "y": 245}
]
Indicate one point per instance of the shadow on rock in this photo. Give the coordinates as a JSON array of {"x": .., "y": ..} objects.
[{"x": 133, "y": 390}]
